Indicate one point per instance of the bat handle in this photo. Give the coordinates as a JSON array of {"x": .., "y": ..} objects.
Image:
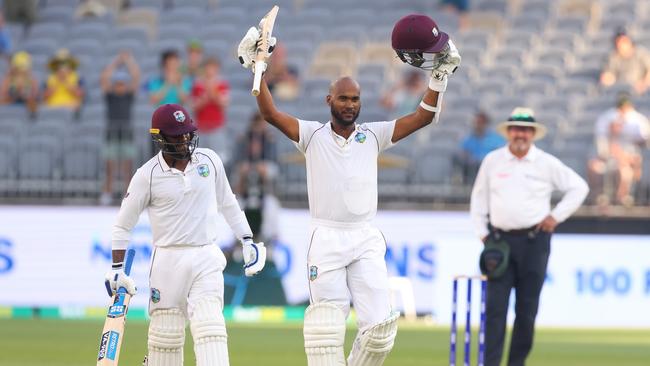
[
  {"x": 128, "y": 261},
  {"x": 260, "y": 66}
]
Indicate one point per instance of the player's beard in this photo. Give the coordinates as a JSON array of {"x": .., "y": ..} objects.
[{"x": 339, "y": 119}]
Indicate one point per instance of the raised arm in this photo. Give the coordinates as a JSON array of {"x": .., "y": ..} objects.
[{"x": 282, "y": 121}]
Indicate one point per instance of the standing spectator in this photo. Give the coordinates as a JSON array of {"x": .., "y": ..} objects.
[
  {"x": 119, "y": 82},
  {"x": 511, "y": 204},
  {"x": 405, "y": 97},
  {"x": 171, "y": 87},
  {"x": 281, "y": 78},
  {"x": 210, "y": 95},
  {"x": 628, "y": 64},
  {"x": 64, "y": 86},
  {"x": 5, "y": 39},
  {"x": 194, "y": 59},
  {"x": 475, "y": 146},
  {"x": 256, "y": 157},
  {"x": 19, "y": 86},
  {"x": 21, "y": 11},
  {"x": 621, "y": 132}
]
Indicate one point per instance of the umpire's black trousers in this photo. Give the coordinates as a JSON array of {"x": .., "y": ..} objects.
[{"x": 526, "y": 271}]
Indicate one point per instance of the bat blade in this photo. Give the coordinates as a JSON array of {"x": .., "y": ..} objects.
[
  {"x": 110, "y": 341},
  {"x": 263, "y": 48}
]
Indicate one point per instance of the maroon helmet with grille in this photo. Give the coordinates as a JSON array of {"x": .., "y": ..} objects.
[
  {"x": 172, "y": 120},
  {"x": 417, "y": 34}
]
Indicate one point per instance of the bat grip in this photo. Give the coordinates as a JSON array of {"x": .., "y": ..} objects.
[{"x": 257, "y": 80}]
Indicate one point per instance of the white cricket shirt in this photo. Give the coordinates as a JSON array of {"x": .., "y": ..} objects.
[
  {"x": 516, "y": 193},
  {"x": 182, "y": 205},
  {"x": 342, "y": 173}
]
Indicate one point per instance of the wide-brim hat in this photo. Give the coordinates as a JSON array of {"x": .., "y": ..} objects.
[
  {"x": 494, "y": 258},
  {"x": 523, "y": 117},
  {"x": 62, "y": 57}
]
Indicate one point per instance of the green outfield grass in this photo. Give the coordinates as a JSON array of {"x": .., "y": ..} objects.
[{"x": 74, "y": 342}]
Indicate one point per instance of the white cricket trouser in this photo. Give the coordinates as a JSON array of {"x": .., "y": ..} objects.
[
  {"x": 182, "y": 275},
  {"x": 346, "y": 263}
]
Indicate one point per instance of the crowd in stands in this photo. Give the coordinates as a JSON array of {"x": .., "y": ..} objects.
[{"x": 193, "y": 75}]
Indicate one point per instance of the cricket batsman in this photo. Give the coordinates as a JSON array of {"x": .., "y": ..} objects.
[{"x": 346, "y": 252}]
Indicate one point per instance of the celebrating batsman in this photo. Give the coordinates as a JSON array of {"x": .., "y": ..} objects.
[
  {"x": 184, "y": 189},
  {"x": 346, "y": 253}
]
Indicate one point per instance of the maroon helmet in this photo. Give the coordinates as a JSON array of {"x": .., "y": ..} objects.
[
  {"x": 172, "y": 120},
  {"x": 417, "y": 34}
]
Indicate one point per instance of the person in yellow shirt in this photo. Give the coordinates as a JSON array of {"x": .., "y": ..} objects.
[{"x": 63, "y": 87}]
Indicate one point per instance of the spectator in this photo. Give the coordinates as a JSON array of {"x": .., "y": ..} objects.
[
  {"x": 460, "y": 7},
  {"x": 475, "y": 146},
  {"x": 405, "y": 97},
  {"x": 90, "y": 9},
  {"x": 627, "y": 64},
  {"x": 21, "y": 11},
  {"x": 194, "y": 59},
  {"x": 5, "y": 39},
  {"x": 19, "y": 86},
  {"x": 171, "y": 87},
  {"x": 620, "y": 134},
  {"x": 119, "y": 82},
  {"x": 210, "y": 95},
  {"x": 281, "y": 78},
  {"x": 256, "y": 160},
  {"x": 64, "y": 86}
]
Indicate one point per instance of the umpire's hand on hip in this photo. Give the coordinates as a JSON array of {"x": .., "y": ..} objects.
[
  {"x": 116, "y": 278},
  {"x": 548, "y": 224},
  {"x": 254, "y": 256}
]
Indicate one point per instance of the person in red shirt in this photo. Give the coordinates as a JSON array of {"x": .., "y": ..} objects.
[{"x": 210, "y": 95}]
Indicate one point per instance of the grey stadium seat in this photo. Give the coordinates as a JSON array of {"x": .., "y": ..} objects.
[
  {"x": 81, "y": 168},
  {"x": 38, "y": 166}
]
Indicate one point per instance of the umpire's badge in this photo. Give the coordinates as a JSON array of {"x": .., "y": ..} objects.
[
  {"x": 360, "y": 137},
  {"x": 203, "y": 170},
  {"x": 155, "y": 295},
  {"x": 313, "y": 273}
]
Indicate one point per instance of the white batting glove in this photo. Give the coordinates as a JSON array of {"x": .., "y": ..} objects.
[
  {"x": 116, "y": 278},
  {"x": 247, "y": 49},
  {"x": 447, "y": 65},
  {"x": 254, "y": 257}
]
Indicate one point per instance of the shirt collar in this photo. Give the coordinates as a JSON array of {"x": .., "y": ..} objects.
[
  {"x": 532, "y": 154},
  {"x": 337, "y": 136}
]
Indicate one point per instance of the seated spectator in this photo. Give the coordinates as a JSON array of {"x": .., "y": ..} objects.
[
  {"x": 460, "y": 7},
  {"x": 628, "y": 64},
  {"x": 256, "y": 160},
  {"x": 64, "y": 86},
  {"x": 119, "y": 82},
  {"x": 210, "y": 96},
  {"x": 281, "y": 78},
  {"x": 21, "y": 11},
  {"x": 19, "y": 86},
  {"x": 194, "y": 59},
  {"x": 5, "y": 39},
  {"x": 620, "y": 134},
  {"x": 90, "y": 9},
  {"x": 405, "y": 97},
  {"x": 475, "y": 146},
  {"x": 171, "y": 87}
]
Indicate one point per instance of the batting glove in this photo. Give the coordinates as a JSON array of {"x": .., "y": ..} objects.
[
  {"x": 247, "y": 49},
  {"x": 447, "y": 65},
  {"x": 254, "y": 257},
  {"x": 116, "y": 278}
]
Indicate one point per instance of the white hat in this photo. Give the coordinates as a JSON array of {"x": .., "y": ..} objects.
[{"x": 523, "y": 117}]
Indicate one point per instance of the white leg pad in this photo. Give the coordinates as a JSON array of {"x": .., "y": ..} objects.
[
  {"x": 166, "y": 338},
  {"x": 209, "y": 332},
  {"x": 324, "y": 332},
  {"x": 372, "y": 347}
]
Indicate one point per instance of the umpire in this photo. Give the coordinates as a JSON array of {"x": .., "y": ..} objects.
[{"x": 511, "y": 211}]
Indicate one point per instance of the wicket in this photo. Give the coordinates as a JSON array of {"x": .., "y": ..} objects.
[{"x": 468, "y": 325}]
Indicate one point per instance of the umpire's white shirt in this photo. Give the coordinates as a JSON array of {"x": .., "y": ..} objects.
[
  {"x": 515, "y": 193},
  {"x": 342, "y": 173},
  {"x": 183, "y": 205}
]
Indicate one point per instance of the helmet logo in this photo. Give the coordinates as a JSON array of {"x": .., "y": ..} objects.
[
  {"x": 180, "y": 116},
  {"x": 435, "y": 32}
]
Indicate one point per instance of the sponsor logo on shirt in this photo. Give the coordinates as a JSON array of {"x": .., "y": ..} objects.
[
  {"x": 155, "y": 295},
  {"x": 313, "y": 273}
]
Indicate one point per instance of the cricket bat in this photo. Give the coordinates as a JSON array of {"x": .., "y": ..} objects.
[
  {"x": 113, "y": 333},
  {"x": 262, "y": 52}
]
